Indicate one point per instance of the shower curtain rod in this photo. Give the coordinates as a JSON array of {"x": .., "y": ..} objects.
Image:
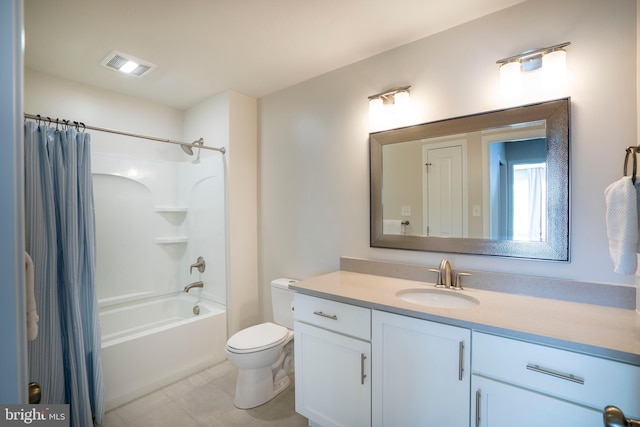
[{"x": 119, "y": 132}]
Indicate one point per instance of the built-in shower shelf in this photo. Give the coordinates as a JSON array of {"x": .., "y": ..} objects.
[
  {"x": 171, "y": 240},
  {"x": 171, "y": 209}
]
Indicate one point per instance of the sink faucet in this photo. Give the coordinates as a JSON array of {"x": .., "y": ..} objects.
[
  {"x": 197, "y": 284},
  {"x": 445, "y": 273}
]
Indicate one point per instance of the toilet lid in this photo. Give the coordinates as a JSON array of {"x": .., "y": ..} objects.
[{"x": 263, "y": 335}]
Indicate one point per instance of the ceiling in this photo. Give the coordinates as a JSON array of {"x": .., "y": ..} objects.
[{"x": 204, "y": 47}]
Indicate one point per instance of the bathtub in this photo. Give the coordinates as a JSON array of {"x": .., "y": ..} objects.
[{"x": 147, "y": 345}]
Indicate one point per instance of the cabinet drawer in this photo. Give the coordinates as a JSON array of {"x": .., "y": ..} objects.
[
  {"x": 587, "y": 380},
  {"x": 335, "y": 316}
]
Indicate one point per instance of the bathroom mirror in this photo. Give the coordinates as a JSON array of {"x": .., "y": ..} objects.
[{"x": 494, "y": 183}]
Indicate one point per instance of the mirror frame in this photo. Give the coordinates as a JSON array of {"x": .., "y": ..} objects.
[{"x": 556, "y": 248}]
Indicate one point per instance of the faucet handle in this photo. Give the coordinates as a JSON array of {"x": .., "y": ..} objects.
[
  {"x": 200, "y": 265},
  {"x": 439, "y": 282},
  {"x": 458, "y": 284}
]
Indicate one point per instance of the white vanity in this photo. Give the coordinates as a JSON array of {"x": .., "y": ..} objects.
[{"x": 365, "y": 357}]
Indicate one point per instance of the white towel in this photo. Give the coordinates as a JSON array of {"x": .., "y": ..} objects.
[
  {"x": 32, "y": 313},
  {"x": 622, "y": 225},
  {"x": 392, "y": 226}
]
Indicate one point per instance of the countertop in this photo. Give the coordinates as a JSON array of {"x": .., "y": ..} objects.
[{"x": 612, "y": 333}]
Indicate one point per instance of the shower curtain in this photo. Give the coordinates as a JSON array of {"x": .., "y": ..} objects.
[{"x": 60, "y": 237}]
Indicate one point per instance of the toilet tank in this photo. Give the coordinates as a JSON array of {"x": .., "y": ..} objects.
[{"x": 282, "y": 302}]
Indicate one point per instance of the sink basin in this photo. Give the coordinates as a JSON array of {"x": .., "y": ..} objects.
[{"x": 440, "y": 298}]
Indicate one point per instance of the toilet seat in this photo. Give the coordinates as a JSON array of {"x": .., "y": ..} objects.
[{"x": 257, "y": 338}]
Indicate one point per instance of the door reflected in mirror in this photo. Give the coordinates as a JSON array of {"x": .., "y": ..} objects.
[{"x": 494, "y": 183}]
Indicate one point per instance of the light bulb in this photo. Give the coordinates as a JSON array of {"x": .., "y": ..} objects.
[{"x": 510, "y": 79}]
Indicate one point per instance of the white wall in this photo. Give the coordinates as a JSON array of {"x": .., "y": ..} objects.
[
  {"x": 314, "y": 170},
  {"x": 242, "y": 158},
  {"x": 58, "y": 98}
]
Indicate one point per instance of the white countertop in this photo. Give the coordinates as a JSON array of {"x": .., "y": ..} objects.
[{"x": 608, "y": 332}]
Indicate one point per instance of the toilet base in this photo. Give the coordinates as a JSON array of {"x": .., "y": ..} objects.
[{"x": 255, "y": 387}]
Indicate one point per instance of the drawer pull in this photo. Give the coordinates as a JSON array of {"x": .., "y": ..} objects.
[
  {"x": 460, "y": 360},
  {"x": 478, "y": 406},
  {"x": 563, "y": 376},
  {"x": 328, "y": 316},
  {"x": 362, "y": 374}
]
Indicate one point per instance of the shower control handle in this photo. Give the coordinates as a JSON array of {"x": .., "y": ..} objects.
[{"x": 200, "y": 265}]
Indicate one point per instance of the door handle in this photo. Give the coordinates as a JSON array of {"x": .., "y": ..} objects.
[
  {"x": 613, "y": 417},
  {"x": 35, "y": 393}
]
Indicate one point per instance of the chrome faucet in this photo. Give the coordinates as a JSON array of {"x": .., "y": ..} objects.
[
  {"x": 190, "y": 286},
  {"x": 445, "y": 273},
  {"x": 445, "y": 276}
]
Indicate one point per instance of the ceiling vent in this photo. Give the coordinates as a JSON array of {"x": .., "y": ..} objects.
[{"x": 127, "y": 64}]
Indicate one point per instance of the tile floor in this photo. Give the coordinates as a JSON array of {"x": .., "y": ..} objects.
[{"x": 205, "y": 399}]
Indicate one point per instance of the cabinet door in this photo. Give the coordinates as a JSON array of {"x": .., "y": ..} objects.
[
  {"x": 501, "y": 405},
  {"x": 421, "y": 374},
  {"x": 333, "y": 383}
]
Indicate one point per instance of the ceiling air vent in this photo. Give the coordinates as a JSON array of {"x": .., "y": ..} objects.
[{"x": 127, "y": 64}]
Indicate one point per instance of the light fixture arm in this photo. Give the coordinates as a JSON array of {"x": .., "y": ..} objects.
[
  {"x": 532, "y": 53},
  {"x": 390, "y": 92}
]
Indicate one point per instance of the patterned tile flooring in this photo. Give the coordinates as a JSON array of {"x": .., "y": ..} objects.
[{"x": 205, "y": 399}]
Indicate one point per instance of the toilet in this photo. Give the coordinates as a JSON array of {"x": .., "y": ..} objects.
[{"x": 263, "y": 353}]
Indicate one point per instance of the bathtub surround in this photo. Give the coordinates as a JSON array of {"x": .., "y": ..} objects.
[
  {"x": 173, "y": 215},
  {"x": 535, "y": 286}
]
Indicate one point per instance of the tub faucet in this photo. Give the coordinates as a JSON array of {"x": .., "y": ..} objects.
[
  {"x": 199, "y": 264},
  {"x": 197, "y": 284}
]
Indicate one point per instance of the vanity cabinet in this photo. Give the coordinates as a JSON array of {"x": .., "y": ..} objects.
[
  {"x": 357, "y": 366},
  {"x": 332, "y": 362},
  {"x": 525, "y": 384},
  {"x": 420, "y": 372}
]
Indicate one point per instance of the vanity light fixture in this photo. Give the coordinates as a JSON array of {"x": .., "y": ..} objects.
[
  {"x": 127, "y": 64},
  {"x": 535, "y": 59},
  {"x": 518, "y": 73},
  {"x": 397, "y": 95},
  {"x": 388, "y": 108}
]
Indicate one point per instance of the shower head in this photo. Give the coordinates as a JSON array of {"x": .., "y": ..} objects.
[{"x": 188, "y": 148}]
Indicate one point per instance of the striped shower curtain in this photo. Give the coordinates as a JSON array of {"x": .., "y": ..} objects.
[{"x": 60, "y": 237}]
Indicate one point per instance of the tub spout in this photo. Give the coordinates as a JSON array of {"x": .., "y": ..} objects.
[{"x": 197, "y": 284}]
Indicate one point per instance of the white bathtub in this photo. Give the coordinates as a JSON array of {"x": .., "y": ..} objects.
[{"x": 147, "y": 345}]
